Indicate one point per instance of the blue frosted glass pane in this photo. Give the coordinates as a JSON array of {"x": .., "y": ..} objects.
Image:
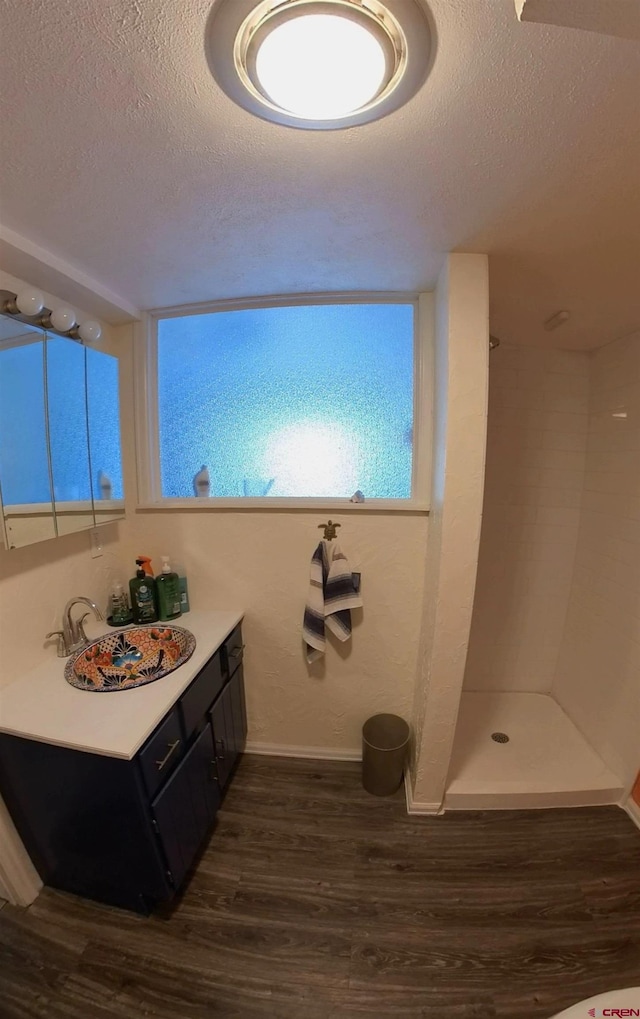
[
  {"x": 24, "y": 469},
  {"x": 104, "y": 424},
  {"x": 303, "y": 401},
  {"x": 67, "y": 420}
]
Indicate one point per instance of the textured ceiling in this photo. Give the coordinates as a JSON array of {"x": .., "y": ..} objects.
[{"x": 121, "y": 156}]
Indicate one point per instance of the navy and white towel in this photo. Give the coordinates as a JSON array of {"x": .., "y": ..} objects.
[{"x": 331, "y": 597}]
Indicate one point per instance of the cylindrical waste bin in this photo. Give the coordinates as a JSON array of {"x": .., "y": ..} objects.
[{"x": 385, "y": 741}]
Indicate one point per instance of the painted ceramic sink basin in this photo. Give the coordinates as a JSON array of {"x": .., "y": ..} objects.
[{"x": 129, "y": 658}]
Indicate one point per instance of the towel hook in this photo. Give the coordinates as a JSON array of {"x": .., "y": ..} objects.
[{"x": 329, "y": 529}]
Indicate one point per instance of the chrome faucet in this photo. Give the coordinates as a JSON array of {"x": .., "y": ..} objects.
[{"x": 72, "y": 636}]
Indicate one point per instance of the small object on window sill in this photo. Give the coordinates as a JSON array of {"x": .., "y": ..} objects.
[
  {"x": 104, "y": 485},
  {"x": 202, "y": 483},
  {"x": 357, "y": 496}
]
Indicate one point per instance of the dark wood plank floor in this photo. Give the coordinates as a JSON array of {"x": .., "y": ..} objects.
[{"x": 315, "y": 900}]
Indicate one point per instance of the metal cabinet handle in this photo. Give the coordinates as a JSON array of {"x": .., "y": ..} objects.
[
  {"x": 220, "y": 757},
  {"x": 236, "y": 652},
  {"x": 172, "y": 746}
]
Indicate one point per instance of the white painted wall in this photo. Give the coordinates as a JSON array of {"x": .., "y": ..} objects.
[
  {"x": 597, "y": 680},
  {"x": 461, "y": 379},
  {"x": 536, "y": 449},
  {"x": 260, "y": 562}
]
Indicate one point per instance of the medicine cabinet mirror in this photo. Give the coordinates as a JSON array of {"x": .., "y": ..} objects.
[{"x": 60, "y": 458}]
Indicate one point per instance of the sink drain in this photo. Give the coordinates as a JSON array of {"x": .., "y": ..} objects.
[{"x": 500, "y": 737}]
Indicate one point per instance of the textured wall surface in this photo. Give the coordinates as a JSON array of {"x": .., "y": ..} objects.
[
  {"x": 522, "y": 142},
  {"x": 461, "y": 380},
  {"x": 35, "y": 584},
  {"x": 536, "y": 447},
  {"x": 597, "y": 680},
  {"x": 260, "y": 562}
]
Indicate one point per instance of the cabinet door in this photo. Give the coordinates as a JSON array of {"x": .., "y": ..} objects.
[
  {"x": 222, "y": 722},
  {"x": 239, "y": 710},
  {"x": 205, "y": 795},
  {"x": 186, "y": 807}
]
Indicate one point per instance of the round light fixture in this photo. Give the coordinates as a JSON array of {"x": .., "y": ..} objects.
[
  {"x": 319, "y": 64},
  {"x": 29, "y": 301},
  {"x": 63, "y": 319}
]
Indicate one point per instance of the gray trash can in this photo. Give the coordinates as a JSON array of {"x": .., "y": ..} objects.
[{"x": 385, "y": 742}]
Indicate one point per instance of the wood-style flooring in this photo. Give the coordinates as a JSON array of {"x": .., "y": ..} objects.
[{"x": 315, "y": 900}]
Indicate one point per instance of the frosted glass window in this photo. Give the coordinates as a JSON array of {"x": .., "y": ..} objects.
[{"x": 303, "y": 401}]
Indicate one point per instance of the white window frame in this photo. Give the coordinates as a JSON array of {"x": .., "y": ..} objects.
[{"x": 147, "y": 420}]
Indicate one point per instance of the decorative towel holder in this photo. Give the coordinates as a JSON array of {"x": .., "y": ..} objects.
[{"x": 329, "y": 530}]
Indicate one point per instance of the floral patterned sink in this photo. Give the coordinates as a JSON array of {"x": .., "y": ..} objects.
[{"x": 129, "y": 658}]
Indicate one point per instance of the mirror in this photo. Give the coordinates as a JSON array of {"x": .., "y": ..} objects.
[
  {"x": 60, "y": 458},
  {"x": 103, "y": 416},
  {"x": 68, "y": 435},
  {"x": 25, "y": 479}
]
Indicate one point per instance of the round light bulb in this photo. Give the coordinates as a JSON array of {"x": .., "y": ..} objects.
[
  {"x": 30, "y": 301},
  {"x": 63, "y": 319},
  {"x": 321, "y": 66},
  {"x": 90, "y": 331}
]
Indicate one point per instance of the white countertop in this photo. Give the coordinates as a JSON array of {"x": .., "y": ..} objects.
[{"x": 41, "y": 705}]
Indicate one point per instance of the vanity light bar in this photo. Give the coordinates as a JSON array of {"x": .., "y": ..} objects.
[{"x": 28, "y": 307}]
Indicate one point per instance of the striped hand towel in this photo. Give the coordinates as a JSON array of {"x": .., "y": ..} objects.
[{"x": 330, "y": 600}]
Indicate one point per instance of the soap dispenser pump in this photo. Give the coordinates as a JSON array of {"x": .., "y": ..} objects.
[
  {"x": 168, "y": 592},
  {"x": 143, "y": 596}
]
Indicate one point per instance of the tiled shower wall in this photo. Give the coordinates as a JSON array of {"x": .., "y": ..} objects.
[
  {"x": 536, "y": 448},
  {"x": 597, "y": 679}
]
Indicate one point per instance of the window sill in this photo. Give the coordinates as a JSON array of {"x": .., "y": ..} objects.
[{"x": 406, "y": 506}]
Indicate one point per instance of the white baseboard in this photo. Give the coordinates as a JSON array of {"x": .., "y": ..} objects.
[
  {"x": 633, "y": 810},
  {"x": 524, "y": 800},
  {"x": 312, "y": 753},
  {"x": 414, "y": 806}
]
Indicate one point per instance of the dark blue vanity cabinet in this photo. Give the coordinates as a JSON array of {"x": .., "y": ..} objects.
[{"x": 127, "y": 832}]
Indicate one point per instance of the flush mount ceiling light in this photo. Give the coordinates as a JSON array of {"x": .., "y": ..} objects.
[{"x": 319, "y": 64}]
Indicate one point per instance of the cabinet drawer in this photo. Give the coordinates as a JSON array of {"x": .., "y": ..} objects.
[
  {"x": 232, "y": 652},
  {"x": 198, "y": 698},
  {"x": 161, "y": 752}
]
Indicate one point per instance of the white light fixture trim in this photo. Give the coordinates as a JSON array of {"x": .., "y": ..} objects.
[{"x": 319, "y": 64}]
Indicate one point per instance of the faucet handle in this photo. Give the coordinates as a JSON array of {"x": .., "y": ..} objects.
[{"x": 61, "y": 645}]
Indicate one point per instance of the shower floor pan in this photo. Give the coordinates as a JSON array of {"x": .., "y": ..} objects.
[{"x": 545, "y": 762}]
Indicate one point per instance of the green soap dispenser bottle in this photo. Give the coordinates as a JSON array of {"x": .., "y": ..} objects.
[
  {"x": 142, "y": 589},
  {"x": 169, "y": 595}
]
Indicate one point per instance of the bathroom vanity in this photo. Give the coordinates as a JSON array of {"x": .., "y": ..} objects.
[{"x": 114, "y": 794}]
